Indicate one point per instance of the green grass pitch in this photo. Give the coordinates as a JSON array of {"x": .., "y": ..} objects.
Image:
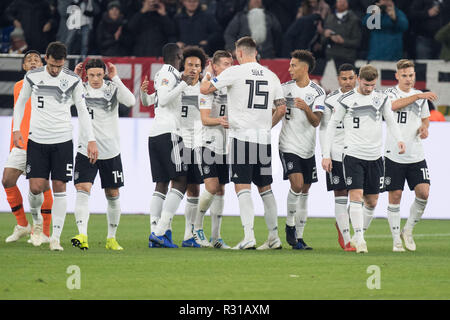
[{"x": 327, "y": 272}]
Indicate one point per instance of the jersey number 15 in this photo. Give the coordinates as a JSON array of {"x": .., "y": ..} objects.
[{"x": 255, "y": 91}]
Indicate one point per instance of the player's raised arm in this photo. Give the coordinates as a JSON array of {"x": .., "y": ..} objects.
[
  {"x": 167, "y": 88},
  {"x": 392, "y": 125},
  {"x": 124, "y": 95},
  {"x": 84, "y": 121},
  {"x": 146, "y": 99},
  {"x": 19, "y": 110}
]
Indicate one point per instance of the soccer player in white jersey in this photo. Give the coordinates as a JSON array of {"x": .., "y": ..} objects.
[
  {"x": 305, "y": 106},
  {"x": 53, "y": 89},
  {"x": 335, "y": 178},
  {"x": 194, "y": 61},
  {"x": 361, "y": 111},
  {"x": 102, "y": 99},
  {"x": 213, "y": 110},
  {"x": 165, "y": 146},
  {"x": 411, "y": 112},
  {"x": 252, "y": 91}
]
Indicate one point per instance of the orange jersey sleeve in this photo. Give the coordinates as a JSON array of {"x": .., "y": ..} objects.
[{"x": 25, "y": 125}]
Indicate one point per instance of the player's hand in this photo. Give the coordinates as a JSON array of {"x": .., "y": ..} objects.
[
  {"x": 423, "y": 132},
  {"x": 17, "y": 138},
  {"x": 224, "y": 122},
  {"x": 144, "y": 85},
  {"x": 209, "y": 69},
  {"x": 327, "y": 164},
  {"x": 112, "y": 70},
  {"x": 92, "y": 151},
  {"x": 79, "y": 69},
  {"x": 301, "y": 104},
  {"x": 427, "y": 95},
  {"x": 401, "y": 147},
  {"x": 189, "y": 79}
]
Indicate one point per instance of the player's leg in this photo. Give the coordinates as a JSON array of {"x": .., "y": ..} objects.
[
  {"x": 373, "y": 185},
  {"x": 216, "y": 211},
  {"x": 193, "y": 231},
  {"x": 270, "y": 215},
  {"x": 36, "y": 199},
  {"x": 14, "y": 198},
  {"x": 156, "y": 203},
  {"x": 342, "y": 217},
  {"x": 46, "y": 212},
  {"x": 113, "y": 213}
]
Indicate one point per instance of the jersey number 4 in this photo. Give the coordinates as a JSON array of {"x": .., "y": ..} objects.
[{"x": 255, "y": 91}]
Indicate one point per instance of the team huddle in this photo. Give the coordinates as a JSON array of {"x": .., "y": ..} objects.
[{"x": 213, "y": 125}]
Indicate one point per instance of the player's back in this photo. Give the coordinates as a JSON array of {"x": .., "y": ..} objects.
[
  {"x": 51, "y": 99},
  {"x": 251, "y": 94}
]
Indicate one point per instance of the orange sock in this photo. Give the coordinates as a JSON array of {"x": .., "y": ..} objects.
[
  {"x": 46, "y": 211},
  {"x": 14, "y": 198}
]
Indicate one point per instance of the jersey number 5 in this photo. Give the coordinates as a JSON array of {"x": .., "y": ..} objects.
[
  {"x": 255, "y": 84},
  {"x": 40, "y": 100}
]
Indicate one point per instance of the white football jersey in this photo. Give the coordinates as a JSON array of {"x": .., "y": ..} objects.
[
  {"x": 189, "y": 115},
  {"x": 337, "y": 145},
  {"x": 215, "y": 137},
  {"x": 51, "y": 99},
  {"x": 103, "y": 106},
  {"x": 252, "y": 90},
  {"x": 297, "y": 135},
  {"x": 362, "y": 118},
  {"x": 409, "y": 119},
  {"x": 168, "y": 86}
]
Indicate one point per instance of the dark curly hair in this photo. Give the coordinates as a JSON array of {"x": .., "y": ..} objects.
[
  {"x": 193, "y": 51},
  {"x": 305, "y": 56}
]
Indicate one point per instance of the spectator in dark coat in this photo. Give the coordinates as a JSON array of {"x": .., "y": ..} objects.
[
  {"x": 261, "y": 25},
  {"x": 302, "y": 34},
  {"x": 443, "y": 36},
  {"x": 196, "y": 27},
  {"x": 111, "y": 35},
  {"x": 152, "y": 29},
  {"x": 428, "y": 17},
  {"x": 284, "y": 10},
  {"x": 227, "y": 9},
  {"x": 386, "y": 43},
  {"x": 34, "y": 17},
  {"x": 342, "y": 34}
]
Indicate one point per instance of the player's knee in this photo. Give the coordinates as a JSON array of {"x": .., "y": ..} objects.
[
  {"x": 395, "y": 196},
  {"x": 112, "y": 193},
  {"x": 193, "y": 190},
  {"x": 297, "y": 187},
  {"x": 6, "y": 182},
  {"x": 423, "y": 193},
  {"x": 58, "y": 186}
]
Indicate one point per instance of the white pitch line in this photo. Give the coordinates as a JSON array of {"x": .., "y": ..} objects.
[{"x": 419, "y": 235}]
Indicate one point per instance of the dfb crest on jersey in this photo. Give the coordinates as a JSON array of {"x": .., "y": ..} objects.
[
  {"x": 376, "y": 100},
  {"x": 64, "y": 84},
  {"x": 107, "y": 94},
  {"x": 336, "y": 179},
  {"x": 348, "y": 181},
  {"x": 290, "y": 165},
  {"x": 206, "y": 169},
  {"x": 387, "y": 180},
  {"x": 28, "y": 169},
  {"x": 309, "y": 98},
  {"x": 76, "y": 175},
  {"x": 185, "y": 167}
]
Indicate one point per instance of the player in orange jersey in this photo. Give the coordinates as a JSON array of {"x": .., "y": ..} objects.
[{"x": 16, "y": 166}]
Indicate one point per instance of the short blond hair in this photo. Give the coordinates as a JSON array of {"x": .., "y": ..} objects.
[
  {"x": 368, "y": 72},
  {"x": 405, "y": 63}
]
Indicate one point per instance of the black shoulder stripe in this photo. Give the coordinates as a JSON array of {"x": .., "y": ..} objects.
[
  {"x": 319, "y": 90},
  {"x": 289, "y": 82},
  {"x": 36, "y": 70},
  {"x": 335, "y": 92},
  {"x": 70, "y": 72},
  {"x": 346, "y": 95}
]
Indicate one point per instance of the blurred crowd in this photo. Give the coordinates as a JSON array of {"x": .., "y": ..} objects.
[{"x": 343, "y": 30}]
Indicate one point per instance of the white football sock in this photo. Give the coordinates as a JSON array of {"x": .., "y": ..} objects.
[
  {"x": 206, "y": 198},
  {"x": 113, "y": 215},
  {"x": 393, "y": 215},
  {"x": 301, "y": 215},
  {"x": 356, "y": 216},
  {"x": 189, "y": 214},
  {"x": 156, "y": 205},
  {"x": 247, "y": 213},
  {"x": 169, "y": 209},
  {"x": 368, "y": 216},
  {"x": 81, "y": 211},
  {"x": 36, "y": 201},
  {"x": 292, "y": 203},
  {"x": 342, "y": 218},
  {"x": 415, "y": 213},
  {"x": 270, "y": 213},
  {"x": 59, "y": 211},
  {"x": 216, "y": 212}
]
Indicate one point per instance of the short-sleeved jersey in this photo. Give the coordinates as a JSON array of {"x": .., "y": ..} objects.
[
  {"x": 252, "y": 90},
  {"x": 297, "y": 135},
  {"x": 337, "y": 145},
  {"x": 362, "y": 118},
  {"x": 409, "y": 120},
  {"x": 189, "y": 115},
  {"x": 103, "y": 106},
  {"x": 215, "y": 137},
  {"x": 167, "y": 119},
  {"x": 51, "y": 99},
  {"x": 25, "y": 125}
]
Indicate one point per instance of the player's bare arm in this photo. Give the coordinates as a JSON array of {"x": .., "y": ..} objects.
[
  {"x": 207, "y": 120},
  {"x": 423, "y": 129},
  {"x": 327, "y": 164},
  {"x": 92, "y": 151},
  {"x": 313, "y": 117},
  {"x": 404, "y": 102},
  {"x": 280, "y": 111}
]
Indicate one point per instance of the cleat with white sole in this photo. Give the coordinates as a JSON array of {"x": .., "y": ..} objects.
[
  {"x": 398, "y": 247},
  {"x": 55, "y": 245},
  {"x": 271, "y": 244},
  {"x": 361, "y": 247},
  {"x": 245, "y": 245},
  {"x": 408, "y": 239},
  {"x": 18, "y": 233},
  {"x": 45, "y": 239},
  {"x": 36, "y": 235},
  {"x": 219, "y": 243},
  {"x": 200, "y": 238}
]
